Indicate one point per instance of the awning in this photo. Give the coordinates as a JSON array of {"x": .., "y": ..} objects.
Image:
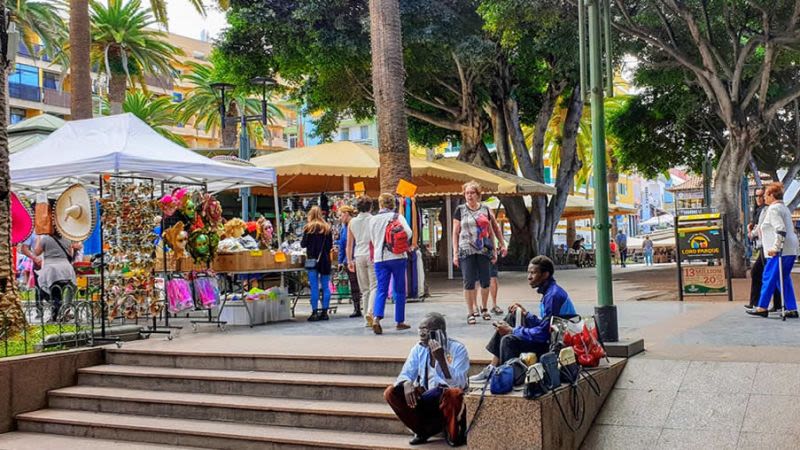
[{"x": 579, "y": 207}]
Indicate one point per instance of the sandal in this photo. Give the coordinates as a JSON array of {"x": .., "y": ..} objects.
[
  {"x": 471, "y": 320},
  {"x": 497, "y": 310},
  {"x": 486, "y": 315}
]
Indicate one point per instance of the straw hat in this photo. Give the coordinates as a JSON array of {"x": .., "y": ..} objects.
[
  {"x": 21, "y": 221},
  {"x": 74, "y": 213}
]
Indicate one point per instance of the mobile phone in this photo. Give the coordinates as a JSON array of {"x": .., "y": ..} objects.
[{"x": 436, "y": 335}]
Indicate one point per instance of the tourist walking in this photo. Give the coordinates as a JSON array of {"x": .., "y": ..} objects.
[
  {"x": 780, "y": 243},
  {"x": 390, "y": 236},
  {"x": 757, "y": 271},
  {"x": 647, "y": 248},
  {"x": 318, "y": 241},
  {"x": 473, "y": 249},
  {"x": 622, "y": 246},
  {"x": 346, "y": 214},
  {"x": 358, "y": 254}
]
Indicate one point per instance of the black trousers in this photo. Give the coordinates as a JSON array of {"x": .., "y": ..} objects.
[
  {"x": 756, "y": 279},
  {"x": 509, "y": 346}
]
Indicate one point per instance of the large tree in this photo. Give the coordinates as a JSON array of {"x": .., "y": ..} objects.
[
  {"x": 741, "y": 55},
  {"x": 80, "y": 77},
  {"x": 12, "y": 320},
  {"x": 388, "y": 79}
]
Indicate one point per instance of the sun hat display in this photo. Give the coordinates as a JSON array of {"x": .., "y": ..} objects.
[
  {"x": 21, "y": 221},
  {"x": 74, "y": 213}
]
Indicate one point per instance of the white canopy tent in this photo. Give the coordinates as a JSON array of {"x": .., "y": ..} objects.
[{"x": 82, "y": 150}]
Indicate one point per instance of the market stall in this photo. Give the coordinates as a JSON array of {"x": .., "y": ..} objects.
[
  {"x": 125, "y": 165},
  {"x": 339, "y": 166}
]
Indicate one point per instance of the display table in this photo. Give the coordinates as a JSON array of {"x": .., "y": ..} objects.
[{"x": 256, "y": 316}]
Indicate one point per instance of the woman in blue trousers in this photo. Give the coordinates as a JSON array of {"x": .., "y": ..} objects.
[
  {"x": 781, "y": 247},
  {"x": 318, "y": 241},
  {"x": 388, "y": 265}
]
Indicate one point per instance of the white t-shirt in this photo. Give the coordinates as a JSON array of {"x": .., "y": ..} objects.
[
  {"x": 779, "y": 219},
  {"x": 377, "y": 232},
  {"x": 359, "y": 226}
]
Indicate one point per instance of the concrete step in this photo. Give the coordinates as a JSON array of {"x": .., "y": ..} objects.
[
  {"x": 345, "y": 416},
  {"x": 333, "y": 387},
  {"x": 363, "y": 365},
  {"x": 203, "y": 433},
  {"x": 20, "y": 440}
]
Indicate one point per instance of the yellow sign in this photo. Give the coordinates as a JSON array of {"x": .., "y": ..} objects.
[
  {"x": 713, "y": 216},
  {"x": 359, "y": 188},
  {"x": 256, "y": 253},
  {"x": 406, "y": 189},
  {"x": 280, "y": 257}
]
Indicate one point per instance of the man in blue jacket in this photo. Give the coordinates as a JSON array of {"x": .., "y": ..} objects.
[{"x": 533, "y": 335}]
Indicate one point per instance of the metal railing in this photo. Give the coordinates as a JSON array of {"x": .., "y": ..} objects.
[
  {"x": 52, "y": 326},
  {"x": 55, "y": 97}
]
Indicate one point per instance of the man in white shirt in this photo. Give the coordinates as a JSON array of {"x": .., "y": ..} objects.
[
  {"x": 389, "y": 265},
  {"x": 359, "y": 259},
  {"x": 429, "y": 392}
]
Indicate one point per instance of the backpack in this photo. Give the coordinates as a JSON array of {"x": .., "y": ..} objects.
[{"x": 395, "y": 238}]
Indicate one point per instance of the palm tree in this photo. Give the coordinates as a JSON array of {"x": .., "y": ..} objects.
[
  {"x": 388, "y": 78},
  {"x": 157, "y": 111},
  {"x": 80, "y": 42},
  {"x": 125, "y": 44},
  {"x": 201, "y": 105},
  {"x": 12, "y": 320},
  {"x": 42, "y": 20}
]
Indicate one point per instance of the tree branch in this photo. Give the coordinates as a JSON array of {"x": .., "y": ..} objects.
[
  {"x": 781, "y": 103},
  {"x": 447, "y": 86},
  {"x": 435, "y": 121},
  {"x": 448, "y": 109}
]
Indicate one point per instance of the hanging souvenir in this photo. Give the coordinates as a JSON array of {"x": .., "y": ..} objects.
[{"x": 21, "y": 221}]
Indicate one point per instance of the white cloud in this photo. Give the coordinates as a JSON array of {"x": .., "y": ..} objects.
[{"x": 186, "y": 21}]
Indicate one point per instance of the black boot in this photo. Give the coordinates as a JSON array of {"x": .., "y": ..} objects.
[
  {"x": 314, "y": 317},
  {"x": 323, "y": 314},
  {"x": 356, "y": 308}
]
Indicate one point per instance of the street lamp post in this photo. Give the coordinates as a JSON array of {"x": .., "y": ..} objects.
[
  {"x": 244, "y": 138},
  {"x": 598, "y": 11}
]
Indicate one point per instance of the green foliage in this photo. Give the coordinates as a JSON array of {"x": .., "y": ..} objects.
[
  {"x": 156, "y": 111},
  {"x": 42, "y": 19},
  {"x": 28, "y": 341}
]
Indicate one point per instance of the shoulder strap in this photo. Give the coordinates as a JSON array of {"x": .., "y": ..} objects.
[{"x": 66, "y": 253}]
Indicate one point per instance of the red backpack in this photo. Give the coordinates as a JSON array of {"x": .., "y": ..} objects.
[{"x": 395, "y": 238}]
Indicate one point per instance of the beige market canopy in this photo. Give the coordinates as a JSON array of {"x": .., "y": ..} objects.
[
  {"x": 579, "y": 207},
  {"x": 337, "y": 166}
]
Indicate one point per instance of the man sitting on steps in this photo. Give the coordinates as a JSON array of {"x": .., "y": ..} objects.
[
  {"x": 429, "y": 393},
  {"x": 533, "y": 335}
]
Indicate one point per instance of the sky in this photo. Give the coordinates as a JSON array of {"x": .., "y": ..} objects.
[{"x": 184, "y": 20}]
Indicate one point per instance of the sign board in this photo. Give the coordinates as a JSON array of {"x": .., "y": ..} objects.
[
  {"x": 406, "y": 189},
  {"x": 359, "y": 188},
  {"x": 691, "y": 211},
  {"x": 704, "y": 279},
  {"x": 700, "y": 243}
]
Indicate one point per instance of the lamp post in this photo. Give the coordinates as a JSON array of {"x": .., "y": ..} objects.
[
  {"x": 244, "y": 138},
  {"x": 598, "y": 25}
]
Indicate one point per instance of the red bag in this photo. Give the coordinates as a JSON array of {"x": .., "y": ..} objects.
[
  {"x": 586, "y": 344},
  {"x": 395, "y": 238}
]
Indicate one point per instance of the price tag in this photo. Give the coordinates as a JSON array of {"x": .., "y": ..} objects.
[
  {"x": 256, "y": 253},
  {"x": 280, "y": 257}
]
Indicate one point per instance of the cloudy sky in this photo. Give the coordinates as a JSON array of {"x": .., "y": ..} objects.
[{"x": 184, "y": 20}]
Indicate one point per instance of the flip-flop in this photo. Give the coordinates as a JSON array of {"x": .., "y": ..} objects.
[
  {"x": 471, "y": 320},
  {"x": 497, "y": 310}
]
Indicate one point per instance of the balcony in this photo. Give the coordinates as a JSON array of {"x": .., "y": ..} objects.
[
  {"x": 37, "y": 52},
  {"x": 54, "y": 97},
  {"x": 24, "y": 92},
  {"x": 162, "y": 82}
]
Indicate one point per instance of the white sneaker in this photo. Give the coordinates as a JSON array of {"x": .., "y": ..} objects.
[{"x": 483, "y": 375}]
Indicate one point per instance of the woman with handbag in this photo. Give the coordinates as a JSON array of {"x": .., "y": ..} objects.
[
  {"x": 57, "y": 274},
  {"x": 318, "y": 241}
]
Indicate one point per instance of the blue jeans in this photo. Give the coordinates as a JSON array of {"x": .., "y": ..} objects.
[
  {"x": 394, "y": 269},
  {"x": 317, "y": 282},
  {"x": 772, "y": 282},
  {"x": 648, "y": 257}
]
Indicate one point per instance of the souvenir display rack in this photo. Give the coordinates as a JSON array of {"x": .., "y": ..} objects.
[
  {"x": 296, "y": 207},
  {"x": 127, "y": 256}
]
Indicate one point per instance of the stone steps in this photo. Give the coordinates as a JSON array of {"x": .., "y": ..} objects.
[
  {"x": 346, "y": 416},
  {"x": 311, "y": 386},
  {"x": 203, "y": 433},
  {"x": 21, "y": 440}
]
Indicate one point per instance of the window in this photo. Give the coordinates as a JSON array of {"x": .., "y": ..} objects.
[
  {"x": 17, "y": 115},
  {"x": 50, "y": 80},
  {"x": 25, "y": 75},
  {"x": 364, "y": 132},
  {"x": 622, "y": 189},
  {"x": 344, "y": 134},
  {"x": 292, "y": 140},
  {"x": 548, "y": 175},
  {"x": 177, "y": 97}
]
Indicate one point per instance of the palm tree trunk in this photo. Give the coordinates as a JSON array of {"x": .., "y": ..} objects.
[
  {"x": 229, "y": 132},
  {"x": 79, "y": 65},
  {"x": 12, "y": 320},
  {"x": 388, "y": 77},
  {"x": 117, "y": 87}
]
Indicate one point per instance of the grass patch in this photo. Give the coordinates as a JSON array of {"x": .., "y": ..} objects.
[{"x": 27, "y": 342}]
